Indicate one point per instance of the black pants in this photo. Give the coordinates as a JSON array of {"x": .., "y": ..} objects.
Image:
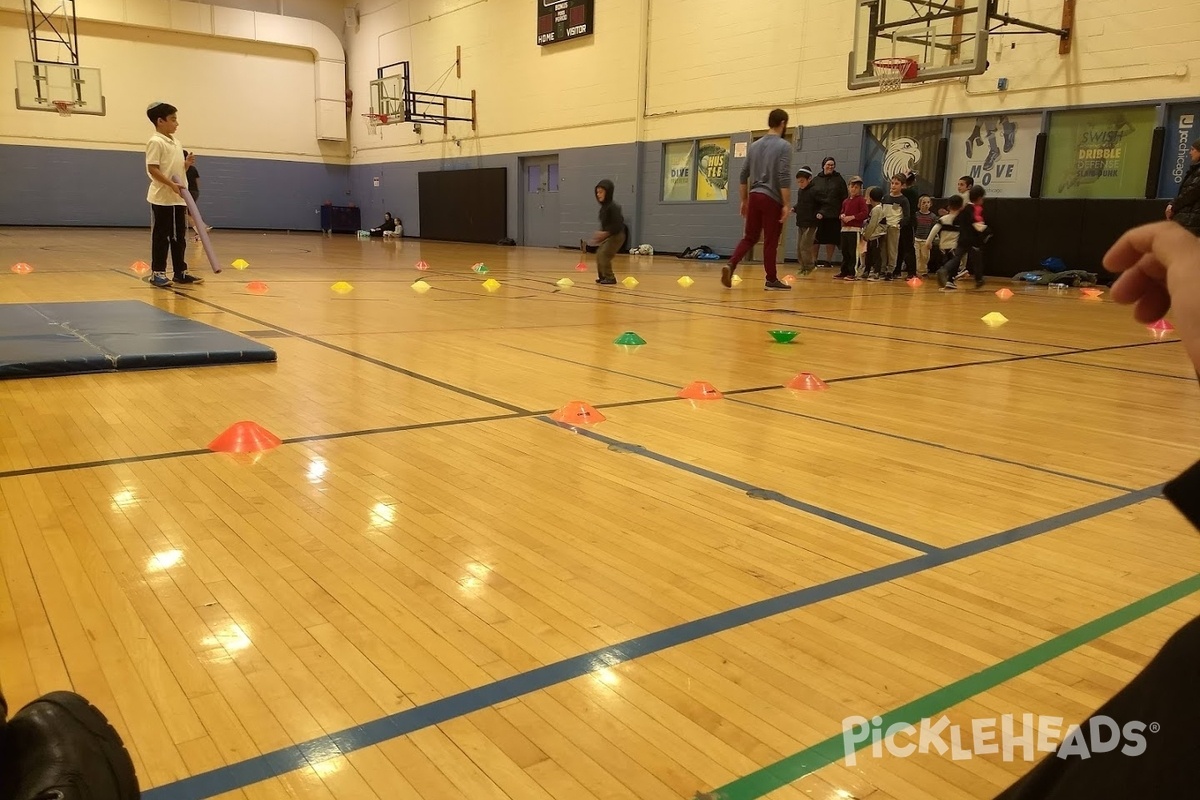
[
  {"x": 974, "y": 259},
  {"x": 908, "y": 251},
  {"x": 168, "y": 226},
  {"x": 849, "y": 250},
  {"x": 1166, "y": 693}
]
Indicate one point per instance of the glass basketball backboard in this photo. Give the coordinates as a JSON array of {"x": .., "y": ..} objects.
[
  {"x": 40, "y": 85},
  {"x": 947, "y": 38}
]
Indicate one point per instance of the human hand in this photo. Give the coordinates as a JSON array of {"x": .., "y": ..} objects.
[
  {"x": 1159, "y": 266},
  {"x": 745, "y": 208},
  {"x": 784, "y": 214}
]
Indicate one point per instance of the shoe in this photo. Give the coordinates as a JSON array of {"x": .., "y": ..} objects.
[
  {"x": 727, "y": 276},
  {"x": 606, "y": 281},
  {"x": 777, "y": 286},
  {"x": 1010, "y": 136},
  {"x": 160, "y": 280},
  {"x": 950, "y": 286},
  {"x": 993, "y": 154},
  {"x": 186, "y": 278},
  {"x": 60, "y": 747}
]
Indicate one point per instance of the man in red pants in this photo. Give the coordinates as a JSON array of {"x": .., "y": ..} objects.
[{"x": 766, "y": 199}]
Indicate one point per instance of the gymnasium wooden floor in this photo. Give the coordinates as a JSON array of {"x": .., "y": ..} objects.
[{"x": 429, "y": 591}]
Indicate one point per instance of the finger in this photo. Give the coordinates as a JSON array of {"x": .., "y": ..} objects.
[
  {"x": 1130, "y": 286},
  {"x": 1153, "y": 305},
  {"x": 1166, "y": 240}
]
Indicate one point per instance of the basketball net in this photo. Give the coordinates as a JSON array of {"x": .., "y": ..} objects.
[
  {"x": 374, "y": 121},
  {"x": 64, "y": 107},
  {"x": 892, "y": 72}
]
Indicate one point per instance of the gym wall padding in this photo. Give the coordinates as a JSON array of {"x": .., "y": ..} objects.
[{"x": 464, "y": 205}]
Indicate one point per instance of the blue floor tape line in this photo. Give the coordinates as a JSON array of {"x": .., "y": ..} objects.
[
  {"x": 756, "y": 491},
  {"x": 280, "y": 762}
]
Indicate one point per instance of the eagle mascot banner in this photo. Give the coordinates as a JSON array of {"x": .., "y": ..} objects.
[{"x": 893, "y": 148}]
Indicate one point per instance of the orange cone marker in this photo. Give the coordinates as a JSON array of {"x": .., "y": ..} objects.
[
  {"x": 244, "y": 437},
  {"x": 577, "y": 413},
  {"x": 700, "y": 390},
  {"x": 807, "y": 382}
]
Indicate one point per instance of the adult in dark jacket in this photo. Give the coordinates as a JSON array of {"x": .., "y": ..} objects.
[
  {"x": 1185, "y": 208},
  {"x": 830, "y": 189},
  {"x": 1161, "y": 266}
]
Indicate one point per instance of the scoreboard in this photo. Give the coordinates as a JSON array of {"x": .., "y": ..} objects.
[{"x": 560, "y": 20}]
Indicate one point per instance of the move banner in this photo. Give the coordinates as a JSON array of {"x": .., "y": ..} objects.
[{"x": 996, "y": 150}]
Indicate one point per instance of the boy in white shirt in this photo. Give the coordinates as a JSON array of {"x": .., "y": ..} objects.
[
  {"x": 944, "y": 235},
  {"x": 167, "y": 168}
]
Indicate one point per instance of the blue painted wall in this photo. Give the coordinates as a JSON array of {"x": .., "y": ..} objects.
[
  {"x": 69, "y": 187},
  {"x": 65, "y": 186},
  {"x": 579, "y": 169}
]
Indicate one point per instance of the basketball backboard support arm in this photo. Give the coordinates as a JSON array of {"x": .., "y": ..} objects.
[
  {"x": 946, "y": 38},
  {"x": 53, "y": 31},
  {"x": 393, "y": 97}
]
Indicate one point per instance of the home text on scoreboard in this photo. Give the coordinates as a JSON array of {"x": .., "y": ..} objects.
[{"x": 560, "y": 20}]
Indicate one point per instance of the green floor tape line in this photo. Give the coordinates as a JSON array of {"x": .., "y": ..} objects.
[{"x": 821, "y": 755}]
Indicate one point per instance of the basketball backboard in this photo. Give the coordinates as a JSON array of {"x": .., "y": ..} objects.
[
  {"x": 387, "y": 97},
  {"x": 947, "y": 38},
  {"x": 40, "y": 85}
]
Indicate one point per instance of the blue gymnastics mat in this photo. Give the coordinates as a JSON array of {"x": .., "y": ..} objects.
[{"x": 43, "y": 339}]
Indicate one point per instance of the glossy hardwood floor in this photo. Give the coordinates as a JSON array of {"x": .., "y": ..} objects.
[{"x": 652, "y": 607}]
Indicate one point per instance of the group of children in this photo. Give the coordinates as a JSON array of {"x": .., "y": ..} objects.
[{"x": 881, "y": 234}]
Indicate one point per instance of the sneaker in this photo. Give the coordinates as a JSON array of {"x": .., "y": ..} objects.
[
  {"x": 962, "y": 273},
  {"x": 777, "y": 286},
  {"x": 186, "y": 278},
  {"x": 606, "y": 281},
  {"x": 60, "y": 747},
  {"x": 160, "y": 280},
  {"x": 850, "y": 278},
  {"x": 874, "y": 277},
  {"x": 727, "y": 276},
  {"x": 889, "y": 277},
  {"x": 950, "y": 286}
]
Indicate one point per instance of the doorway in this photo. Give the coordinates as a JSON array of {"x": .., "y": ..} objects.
[{"x": 539, "y": 201}]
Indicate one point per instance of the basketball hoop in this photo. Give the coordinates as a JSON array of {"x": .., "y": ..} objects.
[
  {"x": 375, "y": 120},
  {"x": 64, "y": 107},
  {"x": 892, "y": 72}
]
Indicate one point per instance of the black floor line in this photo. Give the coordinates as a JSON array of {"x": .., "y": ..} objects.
[
  {"x": 352, "y": 353},
  {"x": 1124, "y": 369}
]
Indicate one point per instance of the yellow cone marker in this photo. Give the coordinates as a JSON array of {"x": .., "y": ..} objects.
[
  {"x": 491, "y": 284},
  {"x": 341, "y": 287},
  {"x": 565, "y": 282},
  {"x": 995, "y": 319},
  {"x": 421, "y": 287},
  {"x": 630, "y": 282},
  {"x": 685, "y": 281}
]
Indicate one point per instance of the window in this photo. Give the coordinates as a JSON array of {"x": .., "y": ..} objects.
[{"x": 696, "y": 170}]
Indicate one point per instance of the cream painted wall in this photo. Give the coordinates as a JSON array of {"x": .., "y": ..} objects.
[
  {"x": 236, "y": 97},
  {"x": 714, "y": 67},
  {"x": 529, "y": 98},
  {"x": 1122, "y": 51}
]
